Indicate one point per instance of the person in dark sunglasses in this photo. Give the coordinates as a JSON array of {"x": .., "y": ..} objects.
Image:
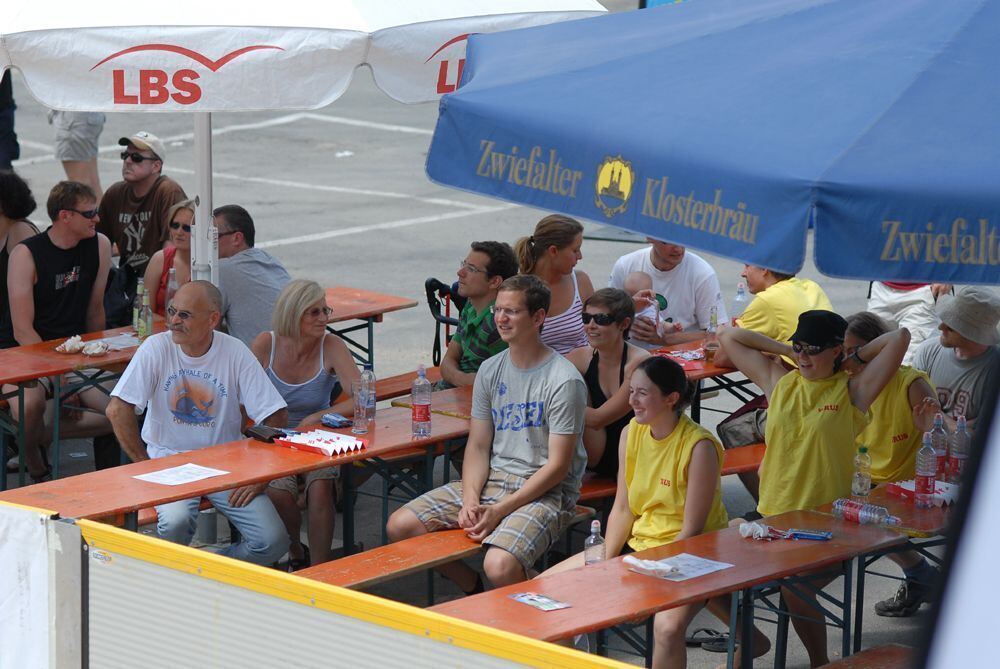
[
  {"x": 177, "y": 256},
  {"x": 135, "y": 211},
  {"x": 56, "y": 287},
  {"x": 606, "y": 364},
  {"x": 814, "y": 414}
]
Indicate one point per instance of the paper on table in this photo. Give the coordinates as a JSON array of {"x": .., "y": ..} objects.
[
  {"x": 188, "y": 473},
  {"x": 677, "y": 568},
  {"x": 121, "y": 342}
]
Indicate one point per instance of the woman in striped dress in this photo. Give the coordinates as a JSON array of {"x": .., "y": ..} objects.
[{"x": 551, "y": 253}]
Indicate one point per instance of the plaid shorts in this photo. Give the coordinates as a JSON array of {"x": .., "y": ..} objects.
[
  {"x": 291, "y": 483},
  {"x": 526, "y": 533}
]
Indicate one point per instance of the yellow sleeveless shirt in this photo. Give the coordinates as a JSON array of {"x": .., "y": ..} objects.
[
  {"x": 810, "y": 433},
  {"x": 656, "y": 473},
  {"x": 891, "y": 437}
]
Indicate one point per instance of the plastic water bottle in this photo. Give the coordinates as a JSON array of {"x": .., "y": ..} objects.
[
  {"x": 420, "y": 396},
  {"x": 939, "y": 442},
  {"x": 593, "y": 546},
  {"x": 140, "y": 290},
  {"x": 926, "y": 474},
  {"x": 144, "y": 328},
  {"x": 861, "y": 484},
  {"x": 959, "y": 453},
  {"x": 712, "y": 335},
  {"x": 171, "y": 288},
  {"x": 860, "y": 512},
  {"x": 368, "y": 376},
  {"x": 740, "y": 302}
]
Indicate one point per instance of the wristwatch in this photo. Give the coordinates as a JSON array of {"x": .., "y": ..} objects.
[{"x": 858, "y": 357}]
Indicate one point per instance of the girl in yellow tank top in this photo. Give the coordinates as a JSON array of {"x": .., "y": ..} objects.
[
  {"x": 669, "y": 488},
  {"x": 814, "y": 415},
  {"x": 900, "y": 414}
]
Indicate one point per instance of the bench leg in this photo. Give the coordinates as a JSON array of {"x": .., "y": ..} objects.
[
  {"x": 650, "y": 640},
  {"x": 845, "y": 637},
  {"x": 348, "y": 508},
  {"x": 781, "y": 641},
  {"x": 696, "y": 404},
  {"x": 859, "y": 601}
]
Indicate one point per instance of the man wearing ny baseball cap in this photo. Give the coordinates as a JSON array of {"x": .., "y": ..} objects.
[{"x": 133, "y": 211}]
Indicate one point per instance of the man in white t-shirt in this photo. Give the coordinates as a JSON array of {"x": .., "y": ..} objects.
[
  {"x": 192, "y": 382},
  {"x": 688, "y": 283}
]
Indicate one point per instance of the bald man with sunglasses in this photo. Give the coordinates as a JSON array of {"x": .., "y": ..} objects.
[
  {"x": 133, "y": 211},
  {"x": 192, "y": 381}
]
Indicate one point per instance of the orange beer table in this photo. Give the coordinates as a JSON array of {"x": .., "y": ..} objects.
[
  {"x": 454, "y": 402},
  {"x": 355, "y": 304},
  {"x": 923, "y": 529},
  {"x": 701, "y": 371},
  {"x": 25, "y": 365},
  {"x": 608, "y": 593},
  {"x": 113, "y": 493},
  {"x": 458, "y": 401}
]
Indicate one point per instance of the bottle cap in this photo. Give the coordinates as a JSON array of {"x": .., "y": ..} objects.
[{"x": 595, "y": 525}]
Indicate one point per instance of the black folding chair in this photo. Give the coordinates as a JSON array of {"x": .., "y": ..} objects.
[{"x": 442, "y": 295}]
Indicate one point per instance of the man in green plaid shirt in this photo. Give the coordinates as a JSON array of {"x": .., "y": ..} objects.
[{"x": 479, "y": 277}]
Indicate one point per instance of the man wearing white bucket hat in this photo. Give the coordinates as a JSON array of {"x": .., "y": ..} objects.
[{"x": 959, "y": 363}]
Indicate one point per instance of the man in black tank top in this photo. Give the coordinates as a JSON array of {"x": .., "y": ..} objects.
[{"x": 56, "y": 283}]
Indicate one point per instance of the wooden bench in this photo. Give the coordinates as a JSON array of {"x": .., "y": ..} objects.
[
  {"x": 146, "y": 516},
  {"x": 399, "y": 385},
  {"x": 394, "y": 560},
  {"x": 734, "y": 461},
  {"x": 399, "y": 559},
  {"x": 890, "y": 656}
]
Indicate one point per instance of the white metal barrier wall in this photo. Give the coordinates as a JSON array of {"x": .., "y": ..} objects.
[{"x": 101, "y": 597}]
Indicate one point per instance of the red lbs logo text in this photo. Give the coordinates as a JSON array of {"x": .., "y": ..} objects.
[
  {"x": 156, "y": 87},
  {"x": 443, "y": 68}
]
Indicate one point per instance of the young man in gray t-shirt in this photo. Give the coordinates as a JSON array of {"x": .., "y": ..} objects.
[{"x": 525, "y": 458}]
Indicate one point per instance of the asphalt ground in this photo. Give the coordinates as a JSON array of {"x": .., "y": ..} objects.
[{"x": 340, "y": 196}]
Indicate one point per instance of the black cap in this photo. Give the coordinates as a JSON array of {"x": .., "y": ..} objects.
[{"x": 820, "y": 328}]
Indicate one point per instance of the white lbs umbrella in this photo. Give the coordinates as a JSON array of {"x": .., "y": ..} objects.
[{"x": 196, "y": 56}]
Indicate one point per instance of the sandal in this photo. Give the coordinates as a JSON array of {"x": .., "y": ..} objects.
[
  {"x": 295, "y": 564},
  {"x": 704, "y": 635}
]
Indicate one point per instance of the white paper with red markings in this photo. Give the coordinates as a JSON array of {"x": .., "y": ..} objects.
[{"x": 322, "y": 442}]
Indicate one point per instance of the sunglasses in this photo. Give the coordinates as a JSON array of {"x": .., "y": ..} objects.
[
  {"x": 183, "y": 315},
  {"x": 90, "y": 213},
  {"x": 600, "y": 319},
  {"x": 809, "y": 349},
  {"x": 174, "y": 225},
  {"x": 136, "y": 156},
  {"x": 316, "y": 312}
]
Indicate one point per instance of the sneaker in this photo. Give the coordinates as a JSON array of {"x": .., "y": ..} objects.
[{"x": 905, "y": 602}]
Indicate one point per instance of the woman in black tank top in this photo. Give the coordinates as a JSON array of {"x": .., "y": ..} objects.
[
  {"x": 16, "y": 204},
  {"x": 606, "y": 364}
]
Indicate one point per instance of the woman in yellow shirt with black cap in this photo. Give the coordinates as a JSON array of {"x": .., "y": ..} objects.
[
  {"x": 669, "y": 488},
  {"x": 814, "y": 415}
]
